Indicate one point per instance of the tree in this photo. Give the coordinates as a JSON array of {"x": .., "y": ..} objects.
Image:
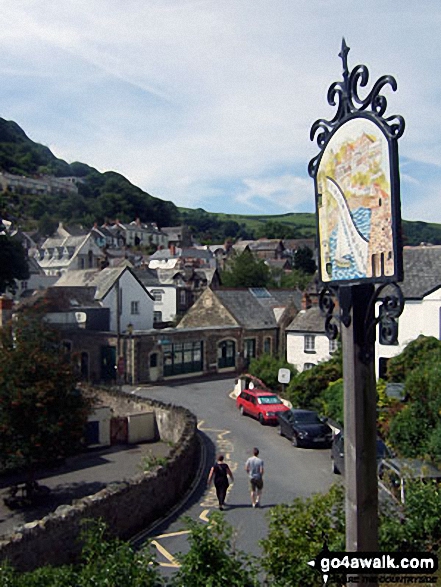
[
  {"x": 42, "y": 414},
  {"x": 13, "y": 263},
  {"x": 244, "y": 270},
  {"x": 304, "y": 260}
]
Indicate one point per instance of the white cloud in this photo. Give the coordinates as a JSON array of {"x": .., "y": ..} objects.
[{"x": 193, "y": 100}]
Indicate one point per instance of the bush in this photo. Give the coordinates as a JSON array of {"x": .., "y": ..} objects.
[
  {"x": 297, "y": 534},
  {"x": 424, "y": 350},
  {"x": 416, "y": 430},
  {"x": 421, "y": 512},
  {"x": 266, "y": 368},
  {"x": 212, "y": 560},
  {"x": 332, "y": 401},
  {"x": 306, "y": 388},
  {"x": 106, "y": 561}
]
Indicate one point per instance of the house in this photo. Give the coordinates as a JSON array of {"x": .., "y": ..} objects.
[
  {"x": 189, "y": 283},
  {"x": 164, "y": 296},
  {"x": 37, "y": 280},
  {"x": 268, "y": 248},
  {"x": 421, "y": 289},
  {"x": 307, "y": 344},
  {"x": 120, "y": 290},
  {"x": 72, "y": 308},
  {"x": 182, "y": 257},
  {"x": 178, "y": 236},
  {"x": 60, "y": 254},
  {"x": 259, "y": 316}
]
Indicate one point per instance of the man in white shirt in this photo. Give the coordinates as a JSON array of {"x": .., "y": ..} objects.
[{"x": 254, "y": 468}]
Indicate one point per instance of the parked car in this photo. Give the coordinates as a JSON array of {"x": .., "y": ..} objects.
[
  {"x": 260, "y": 404},
  {"x": 304, "y": 428},
  {"x": 393, "y": 474},
  {"x": 338, "y": 453}
]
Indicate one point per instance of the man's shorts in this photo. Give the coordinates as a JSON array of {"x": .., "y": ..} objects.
[{"x": 256, "y": 484}]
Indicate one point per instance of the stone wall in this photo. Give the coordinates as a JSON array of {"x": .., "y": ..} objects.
[{"x": 126, "y": 507}]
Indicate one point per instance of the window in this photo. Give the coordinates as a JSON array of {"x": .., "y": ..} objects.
[
  {"x": 308, "y": 366},
  {"x": 182, "y": 297},
  {"x": 157, "y": 317},
  {"x": 309, "y": 343},
  {"x": 24, "y": 285},
  {"x": 180, "y": 358},
  {"x": 157, "y": 294},
  {"x": 249, "y": 348},
  {"x": 267, "y": 345},
  {"x": 134, "y": 307},
  {"x": 226, "y": 352},
  {"x": 333, "y": 346}
]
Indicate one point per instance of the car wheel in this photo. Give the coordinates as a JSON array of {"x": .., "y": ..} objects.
[
  {"x": 261, "y": 420},
  {"x": 295, "y": 442},
  {"x": 279, "y": 430},
  {"x": 242, "y": 413}
]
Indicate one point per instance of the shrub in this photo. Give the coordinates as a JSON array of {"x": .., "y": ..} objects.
[
  {"x": 306, "y": 388},
  {"x": 213, "y": 560},
  {"x": 297, "y": 534},
  {"x": 266, "y": 368}
]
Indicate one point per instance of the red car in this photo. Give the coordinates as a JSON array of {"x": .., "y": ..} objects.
[{"x": 263, "y": 405}]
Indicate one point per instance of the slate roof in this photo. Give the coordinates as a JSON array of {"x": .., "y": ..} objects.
[
  {"x": 147, "y": 276},
  {"x": 102, "y": 280},
  {"x": 422, "y": 271},
  {"x": 253, "y": 312},
  {"x": 311, "y": 320}
]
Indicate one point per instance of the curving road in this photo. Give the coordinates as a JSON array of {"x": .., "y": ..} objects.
[{"x": 289, "y": 472}]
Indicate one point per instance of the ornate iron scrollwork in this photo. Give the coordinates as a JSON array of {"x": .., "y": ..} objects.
[
  {"x": 345, "y": 95},
  {"x": 391, "y": 307},
  {"x": 327, "y": 306}
]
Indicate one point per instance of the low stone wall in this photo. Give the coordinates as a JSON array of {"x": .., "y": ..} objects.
[{"x": 126, "y": 507}]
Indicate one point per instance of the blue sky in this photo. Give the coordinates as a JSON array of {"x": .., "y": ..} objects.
[{"x": 209, "y": 104}]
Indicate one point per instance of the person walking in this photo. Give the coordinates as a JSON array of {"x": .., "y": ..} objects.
[
  {"x": 255, "y": 470},
  {"x": 219, "y": 474}
]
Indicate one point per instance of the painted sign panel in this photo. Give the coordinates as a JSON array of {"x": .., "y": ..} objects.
[{"x": 355, "y": 206}]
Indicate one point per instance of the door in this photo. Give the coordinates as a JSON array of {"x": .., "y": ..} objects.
[
  {"x": 153, "y": 367},
  {"x": 119, "y": 431},
  {"x": 108, "y": 363}
]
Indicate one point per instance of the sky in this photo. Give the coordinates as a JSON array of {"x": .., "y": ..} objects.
[{"x": 209, "y": 103}]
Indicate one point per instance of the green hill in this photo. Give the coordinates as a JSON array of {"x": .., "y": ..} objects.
[
  {"x": 110, "y": 195},
  {"x": 101, "y": 195}
]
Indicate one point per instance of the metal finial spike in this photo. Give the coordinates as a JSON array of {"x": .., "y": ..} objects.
[{"x": 344, "y": 56}]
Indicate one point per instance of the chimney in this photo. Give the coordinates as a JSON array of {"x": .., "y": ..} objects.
[
  {"x": 6, "y": 305},
  {"x": 306, "y": 301}
]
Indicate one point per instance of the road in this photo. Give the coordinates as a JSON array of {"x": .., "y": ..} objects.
[{"x": 289, "y": 472}]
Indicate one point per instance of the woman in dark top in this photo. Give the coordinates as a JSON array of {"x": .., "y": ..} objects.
[{"x": 219, "y": 474}]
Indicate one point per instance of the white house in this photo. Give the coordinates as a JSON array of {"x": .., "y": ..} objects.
[
  {"x": 306, "y": 340},
  {"x": 421, "y": 288},
  {"x": 61, "y": 254},
  {"x": 120, "y": 290},
  {"x": 164, "y": 295},
  {"x": 307, "y": 343}
]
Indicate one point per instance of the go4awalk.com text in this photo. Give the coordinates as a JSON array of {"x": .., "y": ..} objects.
[{"x": 391, "y": 565}]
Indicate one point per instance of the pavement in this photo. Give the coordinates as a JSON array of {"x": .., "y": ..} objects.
[{"x": 78, "y": 477}]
